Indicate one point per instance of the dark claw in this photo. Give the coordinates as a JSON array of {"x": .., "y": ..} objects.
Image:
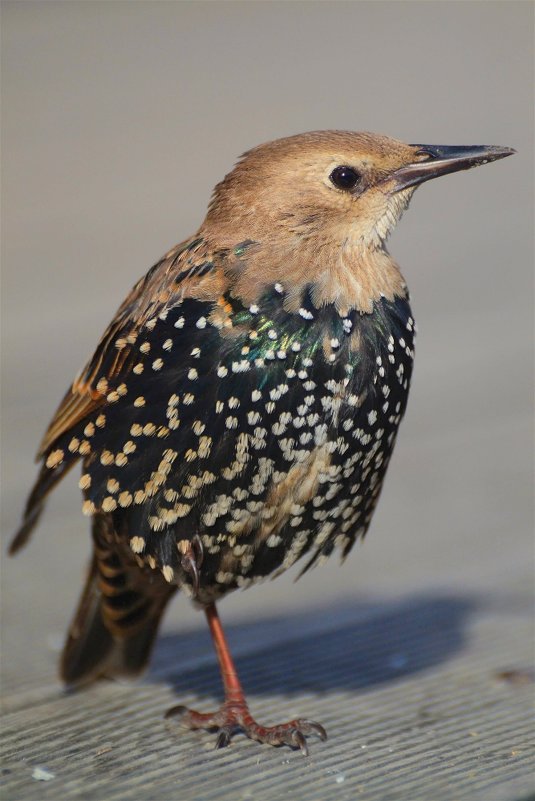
[
  {"x": 175, "y": 710},
  {"x": 223, "y": 739},
  {"x": 316, "y": 728},
  {"x": 192, "y": 560},
  {"x": 298, "y": 740},
  {"x": 195, "y": 576},
  {"x": 198, "y": 550}
]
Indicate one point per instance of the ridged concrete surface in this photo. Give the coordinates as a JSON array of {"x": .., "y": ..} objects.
[{"x": 425, "y": 698}]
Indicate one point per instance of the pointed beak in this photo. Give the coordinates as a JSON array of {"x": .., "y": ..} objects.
[{"x": 435, "y": 160}]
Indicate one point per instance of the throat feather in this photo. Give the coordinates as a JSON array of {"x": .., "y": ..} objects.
[
  {"x": 357, "y": 282},
  {"x": 348, "y": 277}
]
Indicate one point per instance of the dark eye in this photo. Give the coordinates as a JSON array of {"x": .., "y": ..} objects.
[{"x": 344, "y": 177}]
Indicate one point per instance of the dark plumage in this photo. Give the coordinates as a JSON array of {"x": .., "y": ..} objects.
[{"x": 240, "y": 410}]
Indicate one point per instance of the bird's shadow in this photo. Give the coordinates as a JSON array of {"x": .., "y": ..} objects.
[{"x": 387, "y": 641}]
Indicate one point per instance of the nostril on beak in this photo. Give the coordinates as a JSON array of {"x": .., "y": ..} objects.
[{"x": 424, "y": 152}]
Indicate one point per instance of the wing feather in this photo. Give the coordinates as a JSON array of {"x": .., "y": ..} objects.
[{"x": 185, "y": 271}]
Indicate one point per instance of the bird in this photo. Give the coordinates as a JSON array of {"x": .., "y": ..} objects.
[{"x": 240, "y": 410}]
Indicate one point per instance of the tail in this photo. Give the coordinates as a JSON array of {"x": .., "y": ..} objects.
[{"x": 118, "y": 615}]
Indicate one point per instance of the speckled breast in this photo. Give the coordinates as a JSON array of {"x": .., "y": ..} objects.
[{"x": 268, "y": 439}]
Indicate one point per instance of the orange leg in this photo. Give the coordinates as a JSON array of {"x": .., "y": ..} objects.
[{"x": 234, "y": 715}]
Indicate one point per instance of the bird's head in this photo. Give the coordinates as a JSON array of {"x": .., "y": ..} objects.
[{"x": 319, "y": 207}]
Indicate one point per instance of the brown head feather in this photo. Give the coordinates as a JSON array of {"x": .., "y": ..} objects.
[{"x": 309, "y": 232}]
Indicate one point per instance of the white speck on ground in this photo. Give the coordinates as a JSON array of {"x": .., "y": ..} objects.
[{"x": 42, "y": 775}]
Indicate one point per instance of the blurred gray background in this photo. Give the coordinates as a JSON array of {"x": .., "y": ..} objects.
[{"x": 118, "y": 119}]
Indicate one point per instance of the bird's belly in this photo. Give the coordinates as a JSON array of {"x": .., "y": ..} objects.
[{"x": 311, "y": 489}]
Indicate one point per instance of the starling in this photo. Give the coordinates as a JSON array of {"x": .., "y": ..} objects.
[{"x": 240, "y": 410}]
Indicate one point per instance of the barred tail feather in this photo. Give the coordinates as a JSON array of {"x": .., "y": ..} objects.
[{"x": 118, "y": 614}]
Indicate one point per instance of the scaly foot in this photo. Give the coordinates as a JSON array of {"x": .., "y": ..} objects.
[{"x": 233, "y": 717}]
